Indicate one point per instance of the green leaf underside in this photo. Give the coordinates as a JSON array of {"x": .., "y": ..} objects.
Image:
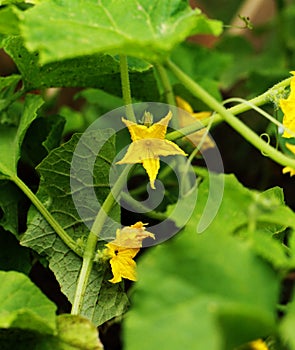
[
  {"x": 103, "y": 300},
  {"x": 11, "y": 137},
  {"x": 77, "y": 332},
  {"x": 96, "y": 71},
  {"x": 24, "y": 306},
  {"x": 141, "y": 28}
]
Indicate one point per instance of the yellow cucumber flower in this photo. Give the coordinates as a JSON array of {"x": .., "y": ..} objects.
[
  {"x": 184, "y": 120},
  {"x": 148, "y": 144},
  {"x": 258, "y": 344},
  {"x": 288, "y": 108},
  {"x": 124, "y": 248}
]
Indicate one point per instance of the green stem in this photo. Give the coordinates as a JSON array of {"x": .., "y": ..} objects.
[
  {"x": 46, "y": 214},
  {"x": 92, "y": 239},
  {"x": 229, "y": 117},
  {"x": 194, "y": 153},
  {"x": 187, "y": 130},
  {"x": 163, "y": 75},
  {"x": 126, "y": 91},
  {"x": 238, "y": 109},
  {"x": 264, "y": 114},
  {"x": 168, "y": 90}
]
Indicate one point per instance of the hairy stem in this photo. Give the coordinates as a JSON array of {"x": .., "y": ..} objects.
[
  {"x": 229, "y": 117},
  {"x": 47, "y": 215},
  {"x": 168, "y": 91},
  {"x": 126, "y": 91},
  {"x": 90, "y": 248}
]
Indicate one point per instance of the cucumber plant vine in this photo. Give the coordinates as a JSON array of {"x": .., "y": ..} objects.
[{"x": 83, "y": 191}]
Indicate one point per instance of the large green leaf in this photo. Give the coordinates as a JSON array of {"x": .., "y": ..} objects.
[
  {"x": 206, "y": 291},
  {"x": 24, "y": 306},
  {"x": 11, "y": 137},
  {"x": 8, "y": 21},
  {"x": 214, "y": 290},
  {"x": 147, "y": 29},
  {"x": 28, "y": 320},
  {"x": 97, "y": 71},
  {"x": 73, "y": 333},
  {"x": 103, "y": 300}
]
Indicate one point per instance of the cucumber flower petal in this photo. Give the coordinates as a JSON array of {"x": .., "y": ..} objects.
[
  {"x": 148, "y": 145},
  {"x": 258, "y": 344},
  {"x": 288, "y": 108}
]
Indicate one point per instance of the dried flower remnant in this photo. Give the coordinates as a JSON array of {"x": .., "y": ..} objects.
[
  {"x": 198, "y": 137},
  {"x": 124, "y": 248}
]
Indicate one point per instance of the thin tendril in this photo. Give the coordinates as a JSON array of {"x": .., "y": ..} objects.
[
  {"x": 198, "y": 147},
  {"x": 267, "y": 141},
  {"x": 260, "y": 111}
]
